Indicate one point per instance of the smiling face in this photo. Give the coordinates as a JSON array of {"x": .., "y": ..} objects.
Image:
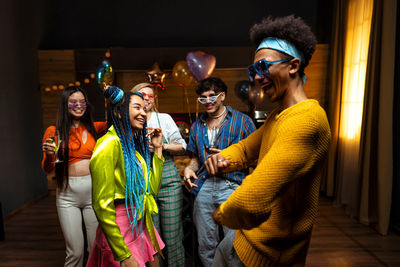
[
  {"x": 137, "y": 113},
  {"x": 148, "y": 95},
  {"x": 213, "y": 108},
  {"x": 77, "y": 105},
  {"x": 276, "y": 83}
]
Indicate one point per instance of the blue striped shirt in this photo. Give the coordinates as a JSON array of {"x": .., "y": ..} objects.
[{"x": 235, "y": 127}]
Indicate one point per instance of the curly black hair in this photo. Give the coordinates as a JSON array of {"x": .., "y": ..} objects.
[
  {"x": 289, "y": 28},
  {"x": 211, "y": 83}
]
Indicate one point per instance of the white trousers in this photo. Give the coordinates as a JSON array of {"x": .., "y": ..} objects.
[{"x": 73, "y": 204}]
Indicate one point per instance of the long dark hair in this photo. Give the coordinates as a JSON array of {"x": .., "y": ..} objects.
[{"x": 64, "y": 123}]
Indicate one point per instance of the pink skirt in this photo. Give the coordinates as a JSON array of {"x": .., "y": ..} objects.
[{"x": 140, "y": 246}]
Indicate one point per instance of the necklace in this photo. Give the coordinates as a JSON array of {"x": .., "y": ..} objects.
[{"x": 219, "y": 115}]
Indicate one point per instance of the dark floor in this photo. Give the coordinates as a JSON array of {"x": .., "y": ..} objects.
[{"x": 34, "y": 238}]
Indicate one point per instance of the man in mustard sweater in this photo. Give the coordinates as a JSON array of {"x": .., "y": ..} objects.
[{"x": 274, "y": 209}]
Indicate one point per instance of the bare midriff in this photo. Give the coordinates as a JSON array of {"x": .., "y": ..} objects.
[{"x": 79, "y": 168}]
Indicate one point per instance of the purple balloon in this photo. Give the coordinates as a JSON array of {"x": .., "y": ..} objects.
[{"x": 200, "y": 65}]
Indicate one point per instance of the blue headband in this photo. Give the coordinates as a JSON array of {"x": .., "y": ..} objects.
[
  {"x": 114, "y": 94},
  {"x": 282, "y": 46},
  {"x": 118, "y": 97}
]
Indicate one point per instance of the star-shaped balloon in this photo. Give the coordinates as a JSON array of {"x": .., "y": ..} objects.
[{"x": 156, "y": 77}]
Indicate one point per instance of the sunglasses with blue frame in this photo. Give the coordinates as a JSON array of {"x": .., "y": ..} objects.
[{"x": 261, "y": 67}]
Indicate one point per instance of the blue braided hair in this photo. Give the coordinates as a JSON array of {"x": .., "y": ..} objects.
[{"x": 130, "y": 142}]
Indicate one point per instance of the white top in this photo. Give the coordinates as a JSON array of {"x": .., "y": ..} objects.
[
  {"x": 170, "y": 131},
  {"x": 212, "y": 136}
]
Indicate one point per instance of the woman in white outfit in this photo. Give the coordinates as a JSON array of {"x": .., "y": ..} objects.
[{"x": 76, "y": 134}]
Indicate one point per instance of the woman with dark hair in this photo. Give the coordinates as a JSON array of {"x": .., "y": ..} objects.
[
  {"x": 125, "y": 179},
  {"x": 170, "y": 197},
  {"x": 77, "y": 133}
]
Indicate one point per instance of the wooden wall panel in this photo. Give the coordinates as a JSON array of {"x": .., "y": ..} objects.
[
  {"x": 55, "y": 67},
  {"x": 58, "y": 67},
  {"x": 317, "y": 74}
]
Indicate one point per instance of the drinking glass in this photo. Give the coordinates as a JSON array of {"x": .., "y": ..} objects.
[
  {"x": 213, "y": 137},
  {"x": 55, "y": 137}
]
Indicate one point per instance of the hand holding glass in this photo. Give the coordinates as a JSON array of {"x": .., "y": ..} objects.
[{"x": 55, "y": 137}]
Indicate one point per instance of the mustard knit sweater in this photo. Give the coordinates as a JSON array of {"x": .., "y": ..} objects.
[{"x": 275, "y": 207}]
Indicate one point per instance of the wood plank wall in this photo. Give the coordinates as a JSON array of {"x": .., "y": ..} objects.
[
  {"x": 58, "y": 67},
  {"x": 172, "y": 99}
]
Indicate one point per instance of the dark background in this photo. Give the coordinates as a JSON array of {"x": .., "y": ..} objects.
[{"x": 161, "y": 23}]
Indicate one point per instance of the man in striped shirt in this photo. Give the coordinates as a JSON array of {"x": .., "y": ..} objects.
[{"x": 219, "y": 127}]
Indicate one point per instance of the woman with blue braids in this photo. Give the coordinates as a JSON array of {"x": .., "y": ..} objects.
[{"x": 125, "y": 179}]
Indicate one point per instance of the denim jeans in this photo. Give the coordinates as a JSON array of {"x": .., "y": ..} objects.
[
  {"x": 214, "y": 192},
  {"x": 225, "y": 255}
]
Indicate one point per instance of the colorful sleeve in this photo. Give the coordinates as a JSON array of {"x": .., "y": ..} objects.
[
  {"x": 291, "y": 155},
  {"x": 244, "y": 152},
  {"x": 156, "y": 174},
  {"x": 192, "y": 139},
  {"x": 101, "y": 127},
  {"x": 48, "y": 162},
  {"x": 102, "y": 165},
  {"x": 249, "y": 126}
]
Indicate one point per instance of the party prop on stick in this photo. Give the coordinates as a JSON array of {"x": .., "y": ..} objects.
[
  {"x": 105, "y": 74},
  {"x": 200, "y": 64}
]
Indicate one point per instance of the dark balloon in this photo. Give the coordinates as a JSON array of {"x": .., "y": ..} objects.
[
  {"x": 200, "y": 64},
  {"x": 242, "y": 89}
]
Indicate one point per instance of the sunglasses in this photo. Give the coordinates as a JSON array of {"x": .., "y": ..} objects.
[
  {"x": 75, "y": 105},
  {"x": 261, "y": 67},
  {"x": 210, "y": 99},
  {"x": 149, "y": 96}
]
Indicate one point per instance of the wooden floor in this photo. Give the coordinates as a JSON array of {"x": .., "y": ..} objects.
[{"x": 34, "y": 238}]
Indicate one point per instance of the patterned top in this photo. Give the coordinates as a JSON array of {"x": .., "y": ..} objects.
[{"x": 235, "y": 127}]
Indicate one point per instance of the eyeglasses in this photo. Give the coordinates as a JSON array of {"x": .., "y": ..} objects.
[
  {"x": 261, "y": 68},
  {"x": 210, "y": 99},
  {"x": 75, "y": 105},
  {"x": 149, "y": 96}
]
